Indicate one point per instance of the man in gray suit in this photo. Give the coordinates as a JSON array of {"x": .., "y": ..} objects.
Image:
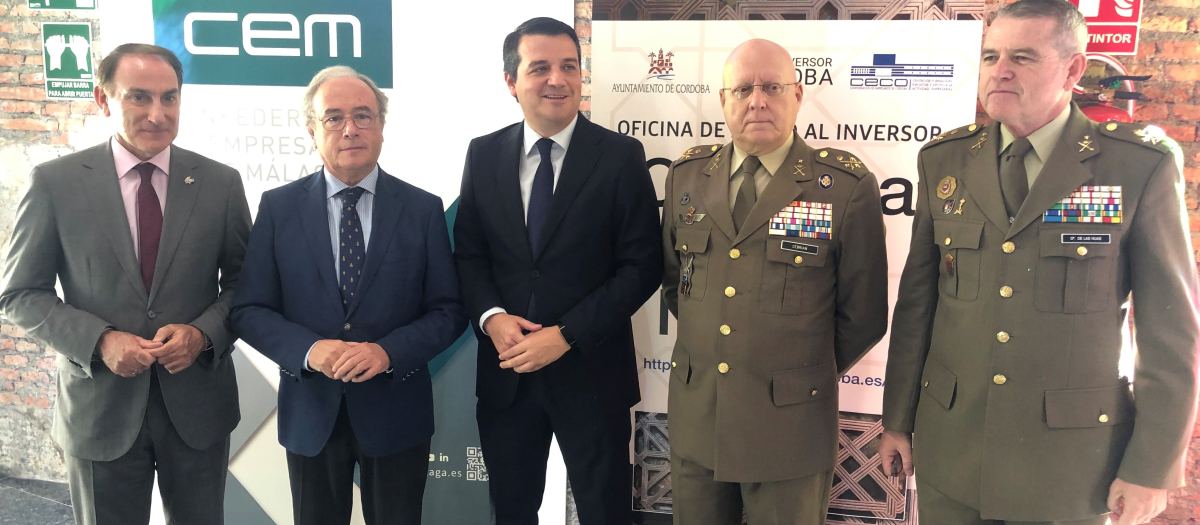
[{"x": 147, "y": 241}]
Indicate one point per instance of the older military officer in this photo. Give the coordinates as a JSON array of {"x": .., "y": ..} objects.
[
  {"x": 1029, "y": 237},
  {"x": 776, "y": 269}
]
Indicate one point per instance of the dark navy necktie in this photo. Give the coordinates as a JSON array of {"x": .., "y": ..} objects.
[
  {"x": 353, "y": 250},
  {"x": 539, "y": 198}
]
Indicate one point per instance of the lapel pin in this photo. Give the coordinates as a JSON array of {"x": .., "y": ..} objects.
[
  {"x": 826, "y": 181},
  {"x": 800, "y": 168},
  {"x": 1085, "y": 144},
  {"x": 687, "y": 197},
  {"x": 948, "y": 207},
  {"x": 189, "y": 180},
  {"x": 982, "y": 139},
  {"x": 716, "y": 160},
  {"x": 946, "y": 187},
  {"x": 961, "y": 202}
]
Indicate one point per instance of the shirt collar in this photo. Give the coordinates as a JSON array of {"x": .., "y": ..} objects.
[
  {"x": 1044, "y": 139},
  {"x": 333, "y": 185},
  {"x": 125, "y": 160},
  {"x": 771, "y": 161},
  {"x": 562, "y": 138}
]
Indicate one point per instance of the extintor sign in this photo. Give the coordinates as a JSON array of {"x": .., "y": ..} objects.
[{"x": 1112, "y": 25}]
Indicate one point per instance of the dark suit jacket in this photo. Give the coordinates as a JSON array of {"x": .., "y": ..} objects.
[
  {"x": 1006, "y": 369},
  {"x": 71, "y": 227},
  {"x": 407, "y": 303},
  {"x": 599, "y": 259}
]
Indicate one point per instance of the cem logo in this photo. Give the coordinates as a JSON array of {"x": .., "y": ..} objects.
[
  {"x": 275, "y": 42},
  {"x": 884, "y": 73}
]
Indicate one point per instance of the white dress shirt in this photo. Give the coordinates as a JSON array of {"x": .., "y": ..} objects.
[{"x": 528, "y": 168}]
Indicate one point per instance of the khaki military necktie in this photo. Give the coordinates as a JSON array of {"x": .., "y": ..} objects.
[
  {"x": 746, "y": 192},
  {"x": 1014, "y": 181}
]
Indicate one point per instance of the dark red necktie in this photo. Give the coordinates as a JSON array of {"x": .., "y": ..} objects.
[{"x": 150, "y": 221}]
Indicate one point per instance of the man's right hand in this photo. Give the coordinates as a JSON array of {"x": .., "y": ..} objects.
[
  {"x": 507, "y": 330},
  {"x": 324, "y": 354},
  {"x": 896, "y": 445},
  {"x": 127, "y": 355}
]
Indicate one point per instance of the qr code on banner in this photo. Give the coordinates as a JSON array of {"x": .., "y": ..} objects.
[{"x": 476, "y": 471}]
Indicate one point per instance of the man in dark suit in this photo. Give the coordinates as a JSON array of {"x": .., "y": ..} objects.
[
  {"x": 351, "y": 290},
  {"x": 557, "y": 246},
  {"x": 147, "y": 241}
]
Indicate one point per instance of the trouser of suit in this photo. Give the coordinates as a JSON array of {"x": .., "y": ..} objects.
[
  {"x": 191, "y": 482},
  {"x": 392, "y": 486},
  {"x": 698, "y": 499},
  {"x": 936, "y": 508},
  {"x": 594, "y": 441}
]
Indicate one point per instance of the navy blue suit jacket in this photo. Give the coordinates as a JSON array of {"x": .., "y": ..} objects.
[{"x": 407, "y": 303}]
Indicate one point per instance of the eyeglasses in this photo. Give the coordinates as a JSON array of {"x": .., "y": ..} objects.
[
  {"x": 362, "y": 120},
  {"x": 770, "y": 89}
]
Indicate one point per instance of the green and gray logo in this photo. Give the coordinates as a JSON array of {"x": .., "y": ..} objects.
[
  {"x": 67, "y": 60},
  {"x": 62, "y": 4},
  {"x": 275, "y": 42}
]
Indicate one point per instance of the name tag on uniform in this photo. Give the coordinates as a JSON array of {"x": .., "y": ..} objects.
[
  {"x": 803, "y": 219},
  {"x": 1088, "y": 204},
  {"x": 1090, "y": 238},
  {"x": 798, "y": 247}
]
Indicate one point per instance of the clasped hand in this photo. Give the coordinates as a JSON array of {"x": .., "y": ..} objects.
[
  {"x": 348, "y": 362},
  {"x": 524, "y": 346},
  {"x": 175, "y": 346}
]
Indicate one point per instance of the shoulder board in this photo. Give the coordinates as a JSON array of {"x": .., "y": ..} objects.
[
  {"x": 841, "y": 160},
  {"x": 1152, "y": 137},
  {"x": 698, "y": 152},
  {"x": 955, "y": 134}
]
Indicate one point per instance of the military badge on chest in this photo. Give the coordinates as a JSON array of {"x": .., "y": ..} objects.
[
  {"x": 804, "y": 219},
  {"x": 1100, "y": 204},
  {"x": 691, "y": 217}
]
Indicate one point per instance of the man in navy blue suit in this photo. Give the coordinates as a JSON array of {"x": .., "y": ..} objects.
[{"x": 349, "y": 286}]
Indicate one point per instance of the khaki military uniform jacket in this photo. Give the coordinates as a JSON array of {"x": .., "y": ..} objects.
[
  {"x": 1006, "y": 338},
  {"x": 768, "y": 322}
]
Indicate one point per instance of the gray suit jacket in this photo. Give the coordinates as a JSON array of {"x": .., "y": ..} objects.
[{"x": 71, "y": 226}]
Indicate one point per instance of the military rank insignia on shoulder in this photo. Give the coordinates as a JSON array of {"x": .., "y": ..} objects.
[
  {"x": 1150, "y": 136},
  {"x": 842, "y": 160},
  {"x": 698, "y": 152},
  {"x": 963, "y": 132}
]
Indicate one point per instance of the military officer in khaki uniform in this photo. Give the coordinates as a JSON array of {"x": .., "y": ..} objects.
[
  {"x": 1029, "y": 236},
  {"x": 777, "y": 271}
]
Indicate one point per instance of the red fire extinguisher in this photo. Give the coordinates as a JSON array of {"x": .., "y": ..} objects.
[{"x": 1097, "y": 103}]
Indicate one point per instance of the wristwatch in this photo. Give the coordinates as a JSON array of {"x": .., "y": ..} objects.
[{"x": 562, "y": 329}]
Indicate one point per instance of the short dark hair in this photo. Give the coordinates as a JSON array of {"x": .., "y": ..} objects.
[
  {"x": 1070, "y": 27},
  {"x": 541, "y": 25},
  {"x": 108, "y": 66}
]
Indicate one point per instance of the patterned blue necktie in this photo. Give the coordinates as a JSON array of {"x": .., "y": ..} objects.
[{"x": 352, "y": 251}]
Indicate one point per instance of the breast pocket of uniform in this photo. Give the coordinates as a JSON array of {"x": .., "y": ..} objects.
[
  {"x": 692, "y": 246},
  {"x": 959, "y": 266},
  {"x": 1076, "y": 269},
  {"x": 794, "y": 280}
]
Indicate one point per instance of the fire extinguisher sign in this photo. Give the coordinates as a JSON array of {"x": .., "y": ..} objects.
[{"x": 1112, "y": 25}]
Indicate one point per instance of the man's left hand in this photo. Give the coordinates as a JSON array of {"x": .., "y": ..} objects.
[
  {"x": 537, "y": 350},
  {"x": 181, "y": 344},
  {"x": 1134, "y": 504},
  {"x": 361, "y": 362}
]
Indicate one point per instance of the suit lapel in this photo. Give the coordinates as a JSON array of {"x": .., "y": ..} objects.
[
  {"x": 716, "y": 191},
  {"x": 783, "y": 189},
  {"x": 383, "y": 227},
  {"x": 103, "y": 192},
  {"x": 577, "y": 167},
  {"x": 1062, "y": 173},
  {"x": 181, "y": 198},
  {"x": 983, "y": 178},
  {"x": 314, "y": 217},
  {"x": 508, "y": 183}
]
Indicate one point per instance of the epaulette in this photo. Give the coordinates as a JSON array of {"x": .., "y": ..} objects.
[
  {"x": 1152, "y": 137},
  {"x": 842, "y": 160},
  {"x": 957, "y": 133},
  {"x": 698, "y": 152}
]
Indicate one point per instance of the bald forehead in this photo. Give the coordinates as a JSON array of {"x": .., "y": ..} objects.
[{"x": 758, "y": 58}]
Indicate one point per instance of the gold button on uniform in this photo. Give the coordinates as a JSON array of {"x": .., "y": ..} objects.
[
  {"x": 673, "y": 365},
  {"x": 947, "y": 241},
  {"x": 684, "y": 247},
  {"x": 999, "y": 379},
  {"x": 824, "y": 154},
  {"x": 927, "y": 384},
  {"x": 1082, "y": 250},
  {"x": 972, "y": 127},
  {"x": 1008, "y": 247},
  {"x": 1104, "y": 418},
  {"x": 1112, "y": 126},
  {"x": 735, "y": 253},
  {"x": 799, "y": 259},
  {"x": 1005, "y": 291},
  {"x": 1002, "y": 337},
  {"x": 725, "y": 329},
  {"x": 813, "y": 393},
  {"x": 722, "y": 368},
  {"x": 730, "y": 292}
]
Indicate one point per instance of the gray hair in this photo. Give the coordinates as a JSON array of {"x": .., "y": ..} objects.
[
  {"x": 330, "y": 73},
  {"x": 1071, "y": 35}
]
